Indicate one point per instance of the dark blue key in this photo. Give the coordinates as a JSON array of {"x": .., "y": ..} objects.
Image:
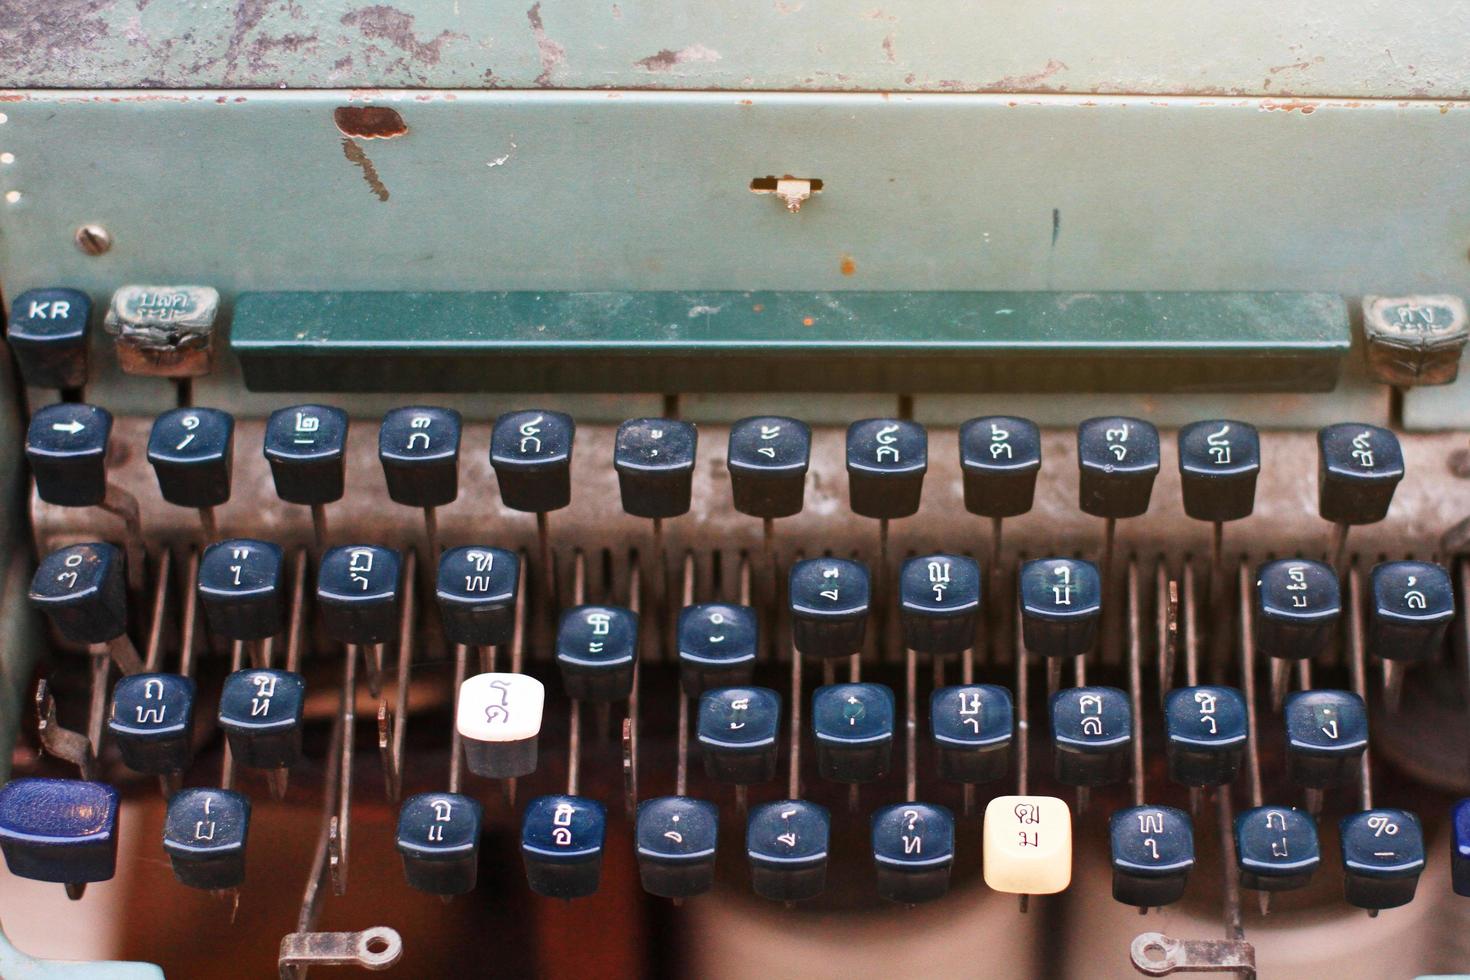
[
  {"x": 913, "y": 851},
  {"x": 561, "y": 843},
  {"x": 853, "y": 725},
  {"x": 737, "y": 731},
  {"x": 531, "y": 452},
  {"x": 676, "y": 838},
  {"x": 205, "y": 834},
  {"x": 1218, "y": 465},
  {"x": 439, "y": 840},
  {"x": 1382, "y": 857},
  {"x": 596, "y": 650},
  {"x": 260, "y": 712},
  {"x": 242, "y": 588},
  {"x": 654, "y": 459},
  {"x": 939, "y": 602},
  {"x": 48, "y": 334},
  {"x": 1413, "y": 604},
  {"x": 1091, "y": 729},
  {"x": 1205, "y": 730},
  {"x": 306, "y": 447},
  {"x": 1118, "y": 459},
  {"x": 59, "y": 829},
  {"x": 358, "y": 592},
  {"x": 1460, "y": 847},
  {"x": 717, "y": 644},
  {"x": 1358, "y": 469},
  {"x": 1061, "y": 602},
  {"x": 1153, "y": 852},
  {"x": 476, "y": 590},
  {"x": 152, "y": 722},
  {"x": 1276, "y": 848},
  {"x": 1000, "y": 456},
  {"x": 1297, "y": 608},
  {"x": 191, "y": 450},
  {"x": 419, "y": 449},
  {"x": 1326, "y": 736},
  {"x": 768, "y": 458},
  {"x": 82, "y": 589},
  {"x": 829, "y": 606},
  {"x": 972, "y": 726},
  {"x": 786, "y": 843},
  {"x": 66, "y": 445},
  {"x": 886, "y": 462}
]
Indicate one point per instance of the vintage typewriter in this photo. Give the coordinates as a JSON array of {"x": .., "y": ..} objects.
[{"x": 734, "y": 490}]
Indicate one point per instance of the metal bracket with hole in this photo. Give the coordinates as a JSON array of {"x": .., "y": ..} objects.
[
  {"x": 372, "y": 949},
  {"x": 1157, "y": 955}
]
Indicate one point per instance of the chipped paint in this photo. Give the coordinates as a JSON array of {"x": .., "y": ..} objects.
[
  {"x": 384, "y": 23},
  {"x": 551, "y": 54},
  {"x": 369, "y": 122},
  {"x": 667, "y": 59},
  {"x": 1306, "y": 108},
  {"x": 354, "y": 152},
  {"x": 1013, "y": 82}
]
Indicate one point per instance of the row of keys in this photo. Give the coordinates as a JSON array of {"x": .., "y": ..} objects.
[{"x": 768, "y": 458}]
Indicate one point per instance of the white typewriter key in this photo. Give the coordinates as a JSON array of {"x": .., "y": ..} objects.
[
  {"x": 1028, "y": 845},
  {"x": 500, "y": 718}
]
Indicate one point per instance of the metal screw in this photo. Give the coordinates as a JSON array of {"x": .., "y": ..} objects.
[{"x": 93, "y": 239}]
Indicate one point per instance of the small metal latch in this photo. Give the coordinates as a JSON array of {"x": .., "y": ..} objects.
[
  {"x": 164, "y": 331},
  {"x": 1157, "y": 955},
  {"x": 793, "y": 191},
  {"x": 1415, "y": 340}
]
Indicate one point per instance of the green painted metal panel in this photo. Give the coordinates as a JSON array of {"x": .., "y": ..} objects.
[{"x": 753, "y": 341}]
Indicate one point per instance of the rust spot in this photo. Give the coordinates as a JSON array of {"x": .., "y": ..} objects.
[
  {"x": 807, "y": 321},
  {"x": 848, "y": 266},
  {"x": 1306, "y": 108},
  {"x": 11, "y": 97},
  {"x": 353, "y": 152},
  {"x": 1026, "y": 81},
  {"x": 746, "y": 102},
  {"x": 759, "y": 307},
  {"x": 888, "y": 51},
  {"x": 369, "y": 122}
]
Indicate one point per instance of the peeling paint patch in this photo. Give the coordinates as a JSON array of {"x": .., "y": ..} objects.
[
  {"x": 369, "y": 122},
  {"x": 383, "y": 23},
  {"x": 355, "y": 153},
  {"x": 1026, "y": 81},
  {"x": 667, "y": 59},
  {"x": 504, "y": 158},
  {"x": 551, "y": 53},
  {"x": 698, "y": 311}
]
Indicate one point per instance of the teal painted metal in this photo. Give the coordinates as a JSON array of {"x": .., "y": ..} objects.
[
  {"x": 1358, "y": 49},
  {"x": 15, "y": 965},
  {"x": 850, "y": 341}
]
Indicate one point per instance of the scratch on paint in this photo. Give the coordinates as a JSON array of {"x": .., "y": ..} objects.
[
  {"x": 1056, "y": 225},
  {"x": 354, "y": 153}
]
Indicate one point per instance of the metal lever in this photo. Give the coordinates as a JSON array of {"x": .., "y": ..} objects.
[
  {"x": 372, "y": 949},
  {"x": 61, "y": 742},
  {"x": 1157, "y": 955}
]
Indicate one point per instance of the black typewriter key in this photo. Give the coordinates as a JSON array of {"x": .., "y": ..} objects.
[
  {"x": 1410, "y": 613},
  {"x": 191, "y": 451},
  {"x": 913, "y": 851},
  {"x": 939, "y": 602},
  {"x": 1152, "y": 855},
  {"x": 654, "y": 459},
  {"x": 1000, "y": 456},
  {"x": 62, "y": 830},
  {"x": 152, "y": 722},
  {"x": 531, "y": 452},
  {"x": 1091, "y": 729},
  {"x": 737, "y": 729},
  {"x": 853, "y": 726},
  {"x": 48, "y": 335},
  {"x": 1326, "y": 736},
  {"x": 1118, "y": 459},
  {"x": 260, "y": 712},
  {"x": 1460, "y": 847},
  {"x": 438, "y": 838},
  {"x": 1205, "y": 729},
  {"x": 972, "y": 726},
  {"x": 419, "y": 449},
  {"x": 1298, "y": 604},
  {"x": 786, "y": 843},
  {"x": 204, "y": 834},
  {"x": 596, "y": 650},
  {"x": 829, "y": 606},
  {"x": 561, "y": 844},
  {"x": 358, "y": 593},
  {"x": 1061, "y": 602},
  {"x": 1358, "y": 468},
  {"x": 1382, "y": 857},
  {"x": 306, "y": 447},
  {"x": 476, "y": 592},
  {"x": 82, "y": 590},
  {"x": 242, "y": 589},
  {"x": 886, "y": 462},
  {"x": 717, "y": 644},
  {"x": 1276, "y": 848},
  {"x": 66, "y": 447},
  {"x": 1219, "y": 461},
  {"x": 676, "y": 837},
  {"x": 768, "y": 458}
]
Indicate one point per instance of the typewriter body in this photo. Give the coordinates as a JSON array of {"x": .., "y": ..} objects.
[{"x": 734, "y": 490}]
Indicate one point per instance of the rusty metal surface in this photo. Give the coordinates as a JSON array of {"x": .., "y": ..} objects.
[{"x": 1281, "y": 48}]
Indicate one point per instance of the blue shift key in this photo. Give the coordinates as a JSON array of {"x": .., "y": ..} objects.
[{"x": 59, "y": 829}]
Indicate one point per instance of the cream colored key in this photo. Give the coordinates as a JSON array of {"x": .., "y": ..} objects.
[{"x": 1028, "y": 845}]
